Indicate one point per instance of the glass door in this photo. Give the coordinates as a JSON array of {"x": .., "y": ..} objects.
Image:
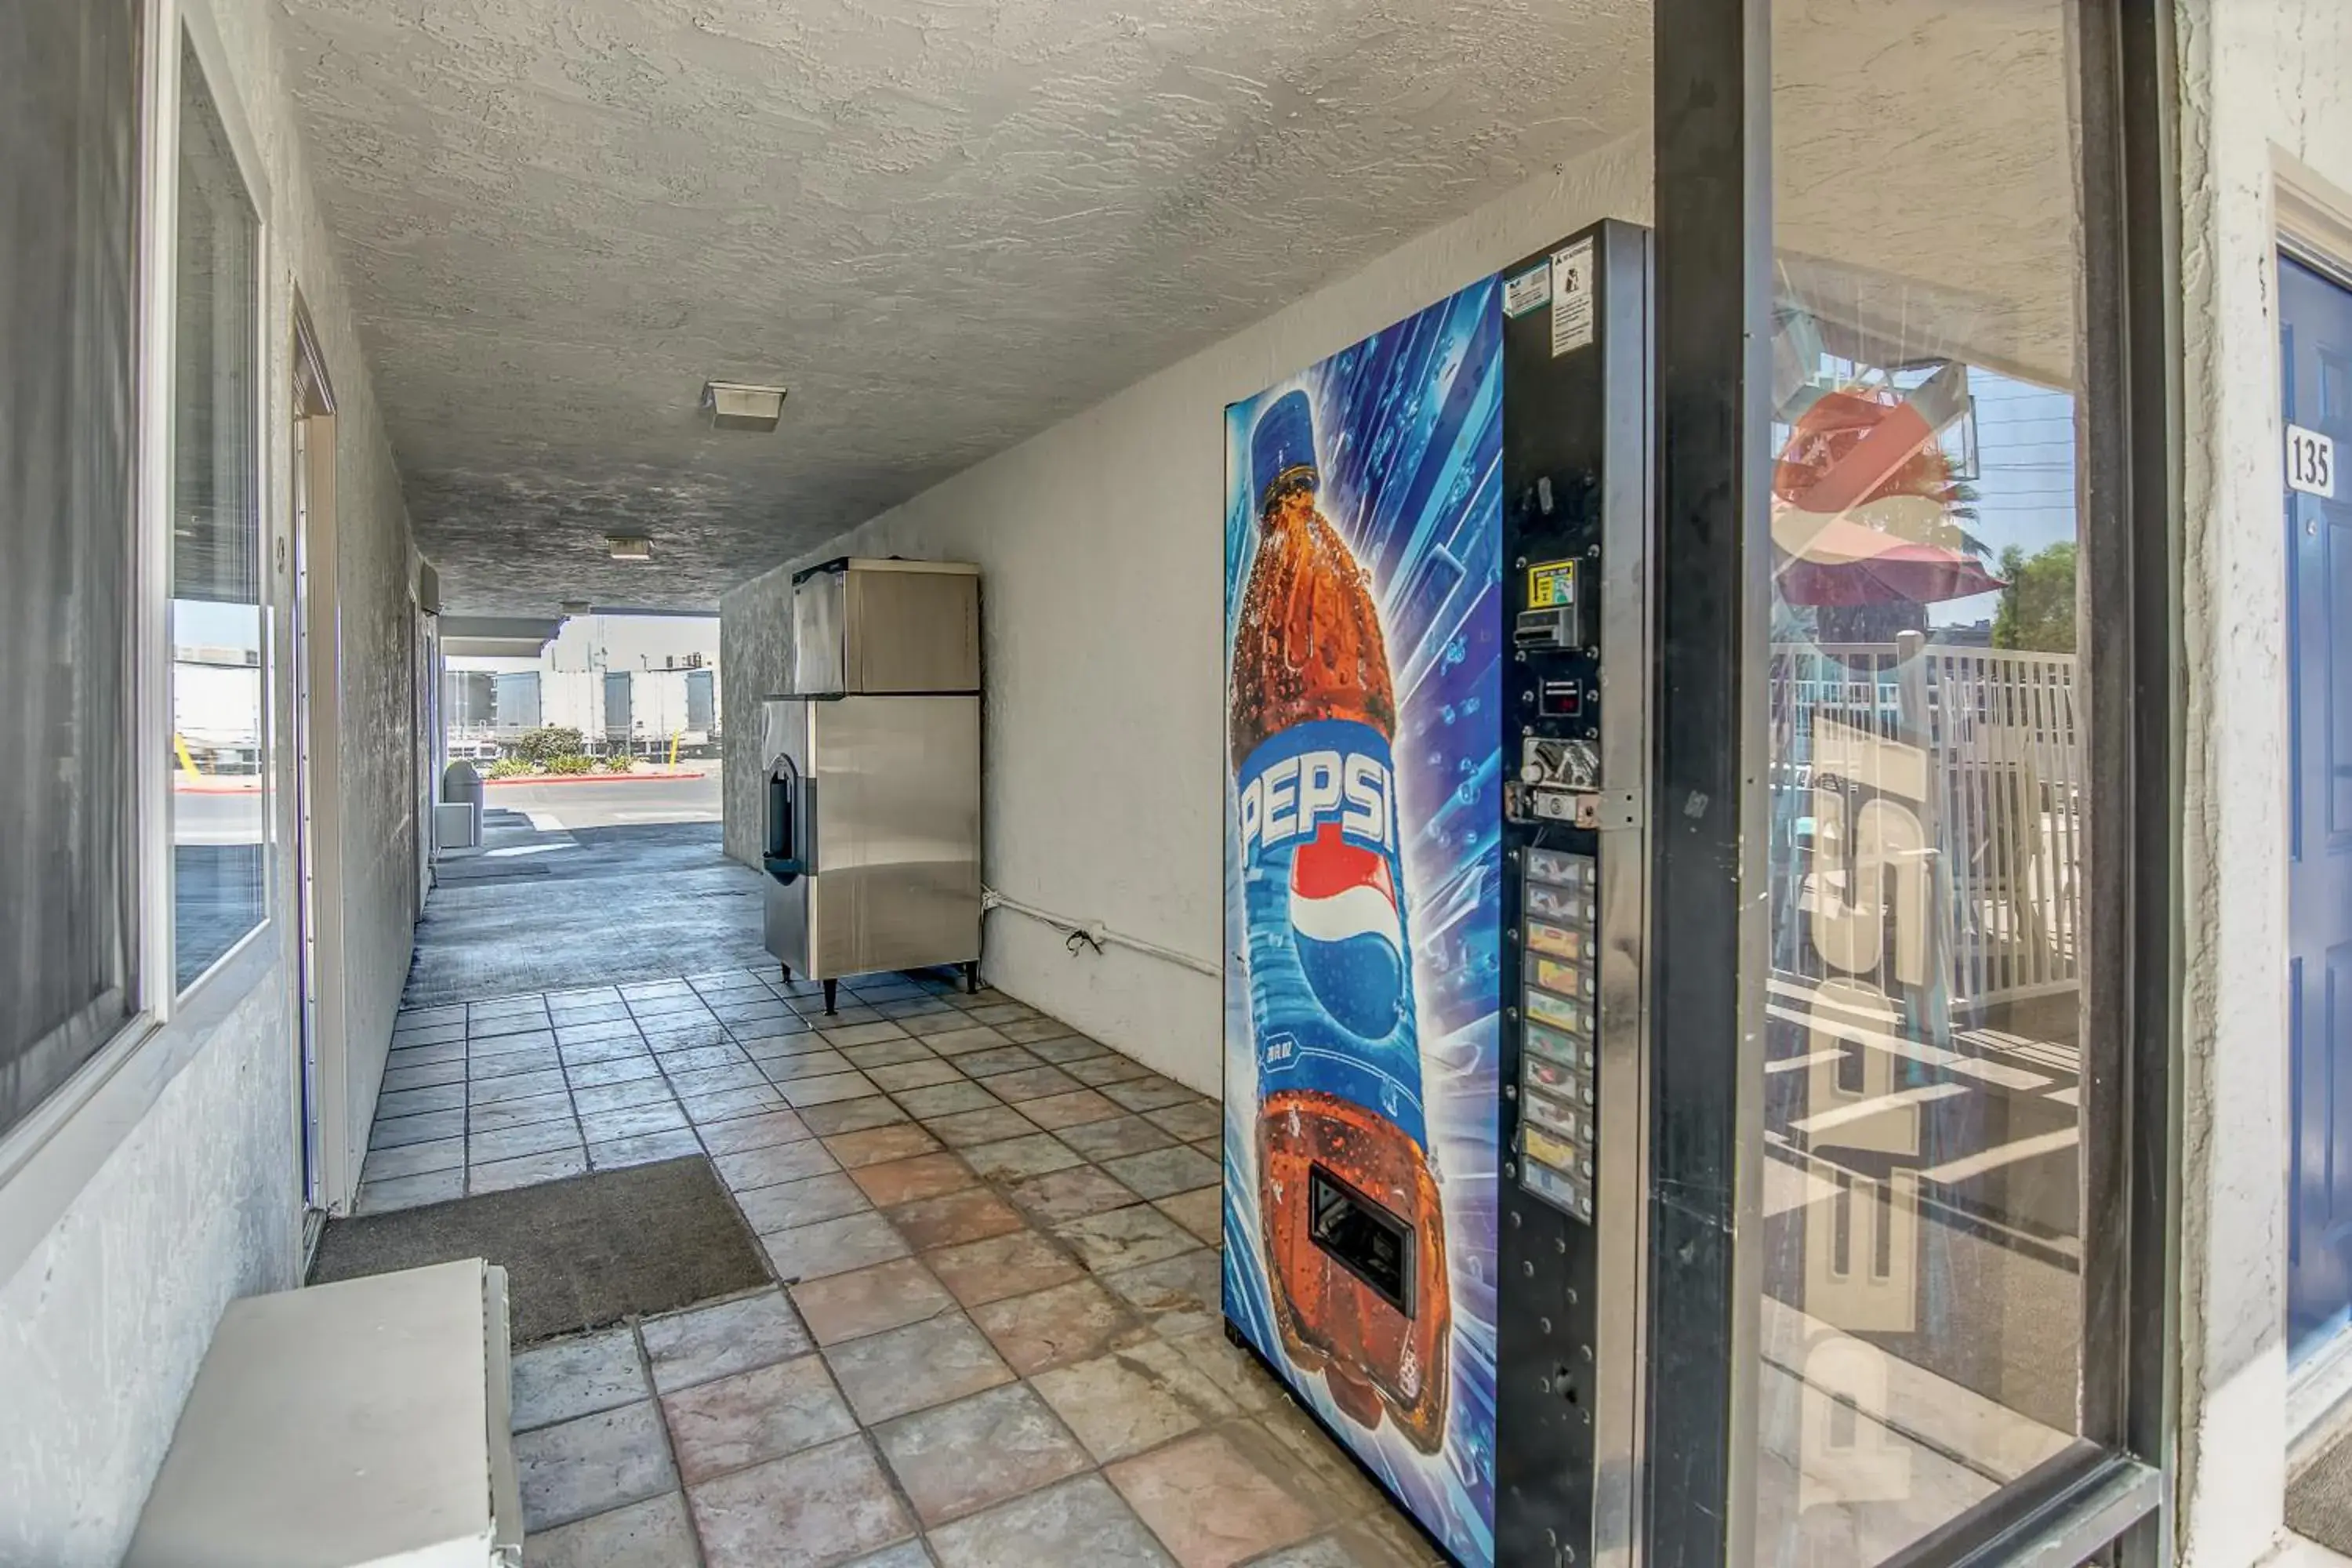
[
  {"x": 1928, "y": 778},
  {"x": 1908, "y": 1198},
  {"x": 1946, "y": 914}
]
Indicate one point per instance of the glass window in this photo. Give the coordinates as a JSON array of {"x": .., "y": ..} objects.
[
  {"x": 1922, "y": 1320},
  {"x": 220, "y": 793},
  {"x": 69, "y": 98}
]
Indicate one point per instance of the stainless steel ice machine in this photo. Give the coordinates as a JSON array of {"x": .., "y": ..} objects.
[{"x": 872, "y": 770}]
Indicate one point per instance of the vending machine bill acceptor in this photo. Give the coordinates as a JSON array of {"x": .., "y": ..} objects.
[{"x": 1437, "y": 867}]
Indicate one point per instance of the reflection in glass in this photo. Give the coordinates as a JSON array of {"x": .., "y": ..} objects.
[
  {"x": 220, "y": 800},
  {"x": 1922, "y": 1322}
]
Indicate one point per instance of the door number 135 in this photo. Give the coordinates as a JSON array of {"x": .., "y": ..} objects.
[{"x": 2310, "y": 462}]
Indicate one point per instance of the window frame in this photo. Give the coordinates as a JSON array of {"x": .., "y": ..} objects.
[
  {"x": 47, "y": 1158},
  {"x": 197, "y": 30}
]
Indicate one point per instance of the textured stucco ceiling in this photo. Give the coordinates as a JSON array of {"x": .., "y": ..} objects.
[
  {"x": 1924, "y": 162},
  {"x": 944, "y": 224}
]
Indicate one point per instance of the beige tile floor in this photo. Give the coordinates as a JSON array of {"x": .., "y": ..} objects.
[{"x": 998, "y": 1341}]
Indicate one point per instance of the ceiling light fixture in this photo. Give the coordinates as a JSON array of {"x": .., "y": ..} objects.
[
  {"x": 738, "y": 406},
  {"x": 629, "y": 546}
]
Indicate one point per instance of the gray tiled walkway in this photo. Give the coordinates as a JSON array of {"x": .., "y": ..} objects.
[
  {"x": 542, "y": 904},
  {"x": 998, "y": 1341}
]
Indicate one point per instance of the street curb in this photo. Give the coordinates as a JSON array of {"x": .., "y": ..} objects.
[{"x": 593, "y": 778}]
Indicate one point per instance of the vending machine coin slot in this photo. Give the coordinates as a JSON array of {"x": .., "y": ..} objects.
[{"x": 1544, "y": 628}]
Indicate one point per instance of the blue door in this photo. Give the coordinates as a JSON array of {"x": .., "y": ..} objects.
[{"x": 2316, "y": 360}]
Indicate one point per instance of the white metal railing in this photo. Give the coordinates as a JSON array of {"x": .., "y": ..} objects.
[{"x": 1994, "y": 740}]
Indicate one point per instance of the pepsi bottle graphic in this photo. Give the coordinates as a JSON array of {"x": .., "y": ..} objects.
[{"x": 1349, "y": 1207}]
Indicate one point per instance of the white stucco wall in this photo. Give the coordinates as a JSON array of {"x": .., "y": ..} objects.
[
  {"x": 2258, "y": 81},
  {"x": 105, "y": 1316},
  {"x": 1103, "y": 556}
]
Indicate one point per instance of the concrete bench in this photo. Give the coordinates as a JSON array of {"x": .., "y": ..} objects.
[{"x": 363, "y": 1423}]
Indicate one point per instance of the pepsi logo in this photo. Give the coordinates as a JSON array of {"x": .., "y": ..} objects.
[
  {"x": 1296, "y": 796},
  {"x": 1348, "y": 932}
]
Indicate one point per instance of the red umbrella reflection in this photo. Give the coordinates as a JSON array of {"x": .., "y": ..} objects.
[
  {"x": 1860, "y": 495},
  {"x": 1844, "y": 562}
]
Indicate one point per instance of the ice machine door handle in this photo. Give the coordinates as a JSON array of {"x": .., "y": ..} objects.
[
  {"x": 791, "y": 850},
  {"x": 804, "y": 821}
]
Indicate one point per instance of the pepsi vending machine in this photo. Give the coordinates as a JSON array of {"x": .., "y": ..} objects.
[{"x": 1437, "y": 623}]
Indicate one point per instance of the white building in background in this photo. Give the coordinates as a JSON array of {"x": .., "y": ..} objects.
[
  {"x": 216, "y": 701},
  {"x": 650, "y": 682}
]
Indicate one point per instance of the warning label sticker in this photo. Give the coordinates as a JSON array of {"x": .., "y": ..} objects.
[{"x": 1571, "y": 297}]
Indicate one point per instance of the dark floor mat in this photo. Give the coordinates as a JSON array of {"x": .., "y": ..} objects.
[
  {"x": 579, "y": 1253},
  {"x": 2319, "y": 1500}
]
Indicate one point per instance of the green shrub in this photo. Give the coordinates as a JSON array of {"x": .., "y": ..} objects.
[
  {"x": 619, "y": 762},
  {"x": 548, "y": 742},
  {"x": 572, "y": 762},
  {"x": 511, "y": 768}
]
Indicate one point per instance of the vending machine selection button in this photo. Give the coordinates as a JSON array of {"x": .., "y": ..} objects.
[
  {"x": 1551, "y": 1115},
  {"x": 1563, "y": 979},
  {"x": 1556, "y": 941},
  {"x": 1538, "y": 1073},
  {"x": 1560, "y": 1190},
  {"x": 1559, "y": 904},
  {"x": 1556, "y": 1062},
  {"x": 1546, "y": 1149},
  {"x": 1553, "y": 1047},
  {"x": 1561, "y": 867},
  {"x": 1559, "y": 1012}
]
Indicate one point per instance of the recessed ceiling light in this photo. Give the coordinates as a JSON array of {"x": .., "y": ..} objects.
[
  {"x": 629, "y": 547},
  {"x": 738, "y": 406}
]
